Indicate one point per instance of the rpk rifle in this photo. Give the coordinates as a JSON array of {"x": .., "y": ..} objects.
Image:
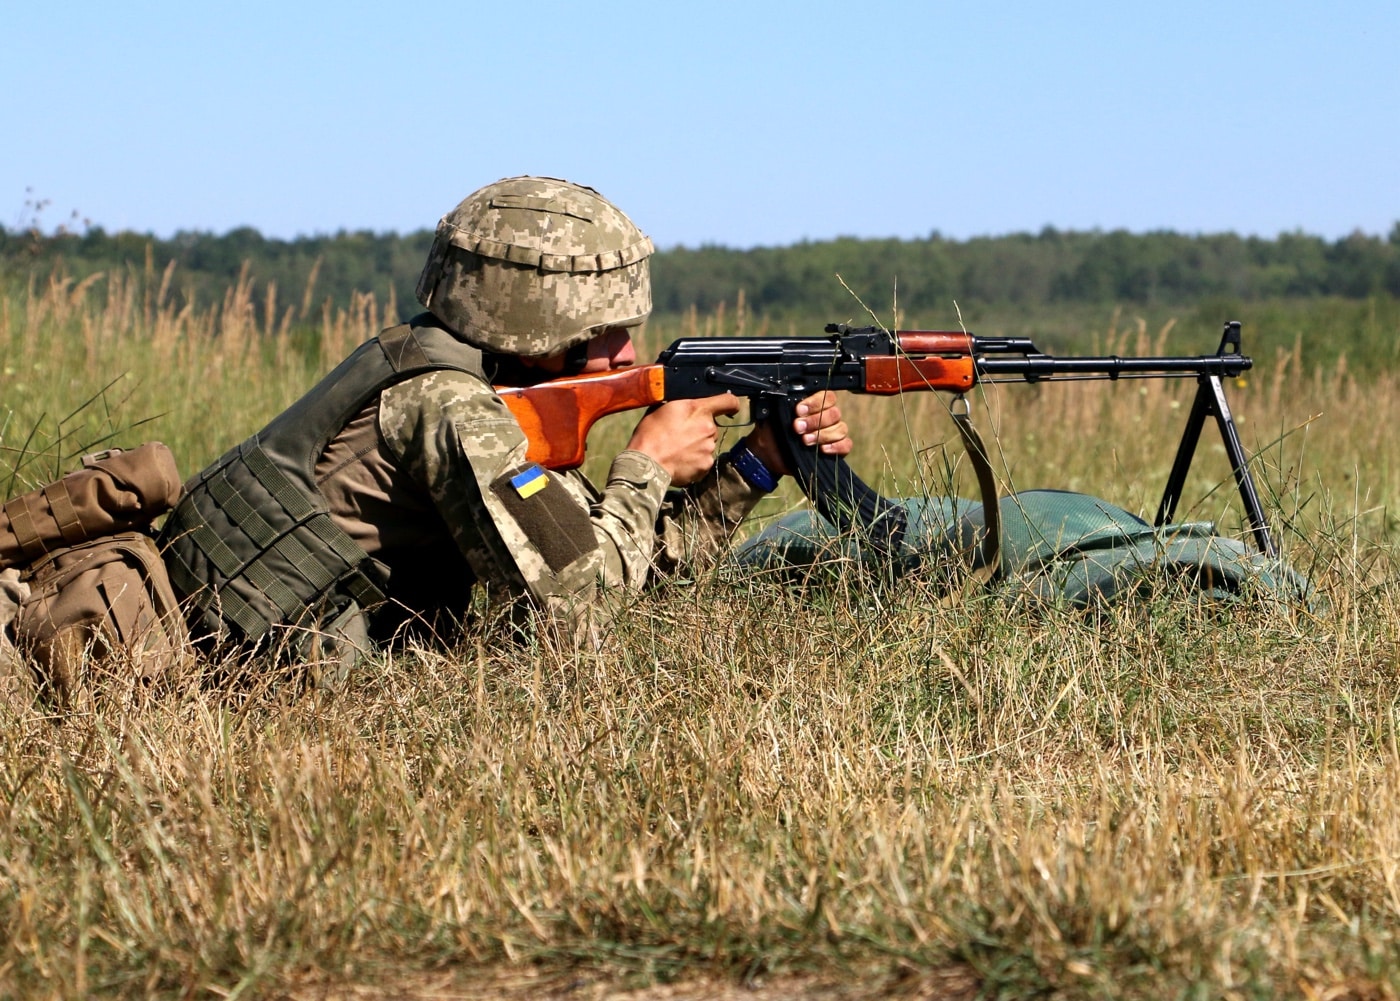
[{"x": 776, "y": 373}]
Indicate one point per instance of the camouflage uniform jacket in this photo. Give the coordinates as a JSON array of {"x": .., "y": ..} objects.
[{"x": 431, "y": 479}]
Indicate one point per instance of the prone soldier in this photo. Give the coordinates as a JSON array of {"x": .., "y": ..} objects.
[{"x": 400, "y": 482}]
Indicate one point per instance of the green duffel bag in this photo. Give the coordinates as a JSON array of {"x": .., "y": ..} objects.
[{"x": 1056, "y": 545}]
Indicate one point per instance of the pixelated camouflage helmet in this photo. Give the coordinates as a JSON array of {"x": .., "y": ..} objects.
[{"x": 529, "y": 265}]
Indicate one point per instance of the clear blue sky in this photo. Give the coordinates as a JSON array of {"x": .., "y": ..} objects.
[{"x": 758, "y": 123}]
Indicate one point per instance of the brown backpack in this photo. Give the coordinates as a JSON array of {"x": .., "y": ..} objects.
[{"x": 98, "y": 600}]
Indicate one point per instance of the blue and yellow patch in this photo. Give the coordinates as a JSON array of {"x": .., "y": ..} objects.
[{"x": 530, "y": 482}]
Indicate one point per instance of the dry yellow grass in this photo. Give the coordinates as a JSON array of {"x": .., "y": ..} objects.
[{"x": 837, "y": 791}]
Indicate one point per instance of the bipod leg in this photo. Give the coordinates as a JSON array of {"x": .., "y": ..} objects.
[
  {"x": 1210, "y": 402},
  {"x": 1185, "y": 452},
  {"x": 1239, "y": 465}
]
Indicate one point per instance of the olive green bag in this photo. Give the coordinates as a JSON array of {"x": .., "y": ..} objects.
[{"x": 1056, "y": 546}]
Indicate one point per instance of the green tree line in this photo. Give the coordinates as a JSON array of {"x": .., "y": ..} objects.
[
  {"x": 1022, "y": 269},
  {"x": 315, "y": 268}
]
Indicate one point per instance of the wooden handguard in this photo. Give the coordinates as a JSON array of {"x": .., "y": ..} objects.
[
  {"x": 934, "y": 342},
  {"x": 556, "y": 416},
  {"x": 928, "y": 360},
  {"x": 886, "y": 375}
]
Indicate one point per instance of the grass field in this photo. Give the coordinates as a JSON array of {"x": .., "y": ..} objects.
[{"x": 750, "y": 789}]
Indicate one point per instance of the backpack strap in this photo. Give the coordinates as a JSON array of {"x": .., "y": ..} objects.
[
  {"x": 65, "y": 515},
  {"x": 20, "y": 514}
]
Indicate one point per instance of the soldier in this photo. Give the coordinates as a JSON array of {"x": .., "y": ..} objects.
[{"x": 400, "y": 481}]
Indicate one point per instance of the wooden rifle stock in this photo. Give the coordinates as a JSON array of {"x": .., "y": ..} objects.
[{"x": 556, "y": 415}]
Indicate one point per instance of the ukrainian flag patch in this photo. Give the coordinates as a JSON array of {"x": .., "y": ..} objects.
[{"x": 530, "y": 482}]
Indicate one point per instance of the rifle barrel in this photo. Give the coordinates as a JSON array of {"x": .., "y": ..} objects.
[{"x": 1035, "y": 367}]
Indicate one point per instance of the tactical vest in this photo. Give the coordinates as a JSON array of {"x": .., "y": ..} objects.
[{"x": 252, "y": 545}]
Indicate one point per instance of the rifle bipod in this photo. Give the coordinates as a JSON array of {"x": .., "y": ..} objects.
[{"x": 1210, "y": 402}]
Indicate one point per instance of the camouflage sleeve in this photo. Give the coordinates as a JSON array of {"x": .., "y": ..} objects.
[
  {"x": 524, "y": 530},
  {"x": 697, "y": 523}
]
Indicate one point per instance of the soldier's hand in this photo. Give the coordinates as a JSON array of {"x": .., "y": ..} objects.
[
  {"x": 681, "y": 435},
  {"x": 818, "y": 423}
]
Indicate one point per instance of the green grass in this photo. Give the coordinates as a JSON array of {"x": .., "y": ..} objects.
[{"x": 811, "y": 790}]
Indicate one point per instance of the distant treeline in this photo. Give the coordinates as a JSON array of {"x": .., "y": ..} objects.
[
  {"x": 1023, "y": 270},
  {"x": 313, "y": 269}
]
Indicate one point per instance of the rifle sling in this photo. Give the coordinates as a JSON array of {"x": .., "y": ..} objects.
[{"x": 985, "y": 568}]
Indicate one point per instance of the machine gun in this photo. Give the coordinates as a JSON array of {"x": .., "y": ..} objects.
[{"x": 776, "y": 373}]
